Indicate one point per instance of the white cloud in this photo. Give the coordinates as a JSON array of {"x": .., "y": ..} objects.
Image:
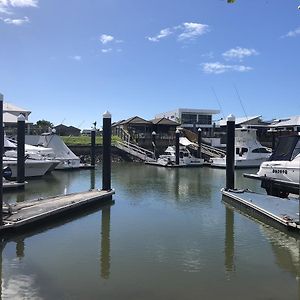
[
  {"x": 185, "y": 31},
  {"x": 7, "y": 5},
  {"x": 239, "y": 53},
  {"x": 106, "y": 38},
  {"x": 16, "y": 22},
  {"x": 76, "y": 57},
  {"x": 23, "y": 3},
  {"x": 192, "y": 31},
  {"x": 162, "y": 34},
  {"x": 293, "y": 33},
  {"x": 107, "y": 50},
  {"x": 219, "y": 68}
]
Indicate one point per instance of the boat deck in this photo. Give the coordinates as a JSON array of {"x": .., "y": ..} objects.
[
  {"x": 284, "y": 212},
  {"x": 26, "y": 213}
]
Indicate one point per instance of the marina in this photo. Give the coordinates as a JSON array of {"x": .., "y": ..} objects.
[
  {"x": 186, "y": 187},
  {"x": 191, "y": 237}
]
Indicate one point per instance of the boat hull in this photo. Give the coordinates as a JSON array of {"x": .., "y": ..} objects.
[
  {"x": 282, "y": 170},
  {"x": 239, "y": 163},
  {"x": 33, "y": 168}
]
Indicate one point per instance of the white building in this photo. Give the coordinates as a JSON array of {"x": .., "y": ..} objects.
[
  {"x": 10, "y": 116},
  {"x": 191, "y": 118}
]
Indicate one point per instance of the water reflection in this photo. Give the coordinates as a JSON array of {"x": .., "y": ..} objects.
[
  {"x": 229, "y": 240},
  {"x": 93, "y": 178},
  {"x": 286, "y": 249},
  {"x": 105, "y": 243},
  {"x": 18, "y": 281}
]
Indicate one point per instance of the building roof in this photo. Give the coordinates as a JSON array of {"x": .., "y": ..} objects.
[
  {"x": 10, "y": 118},
  {"x": 287, "y": 122},
  {"x": 238, "y": 121},
  {"x": 136, "y": 120},
  {"x": 8, "y": 107},
  {"x": 164, "y": 121}
]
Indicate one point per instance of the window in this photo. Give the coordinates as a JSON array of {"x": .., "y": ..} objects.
[
  {"x": 204, "y": 119},
  {"x": 188, "y": 118},
  {"x": 260, "y": 150}
]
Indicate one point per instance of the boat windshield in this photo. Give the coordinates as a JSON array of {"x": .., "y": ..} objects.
[{"x": 287, "y": 148}]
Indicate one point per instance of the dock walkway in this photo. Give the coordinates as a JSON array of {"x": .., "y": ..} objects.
[
  {"x": 25, "y": 213},
  {"x": 282, "y": 211}
]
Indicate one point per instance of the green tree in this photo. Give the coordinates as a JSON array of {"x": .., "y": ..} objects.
[{"x": 44, "y": 124}]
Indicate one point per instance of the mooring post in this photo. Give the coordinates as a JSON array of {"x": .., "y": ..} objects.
[
  {"x": 154, "y": 143},
  {"x": 177, "y": 147},
  {"x": 230, "y": 155},
  {"x": 1, "y": 158},
  {"x": 93, "y": 146},
  {"x": 21, "y": 149},
  {"x": 199, "y": 143},
  {"x": 106, "y": 164}
]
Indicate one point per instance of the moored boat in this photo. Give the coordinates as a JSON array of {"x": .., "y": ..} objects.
[{"x": 248, "y": 150}]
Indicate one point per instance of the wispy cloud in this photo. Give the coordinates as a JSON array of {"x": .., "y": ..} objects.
[
  {"x": 107, "y": 50},
  {"x": 110, "y": 43},
  {"x": 185, "y": 31},
  {"x": 292, "y": 33},
  {"x": 192, "y": 30},
  {"x": 219, "y": 68},
  {"x": 6, "y": 6},
  {"x": 16, "y": 22},
  {"x": 106, "y": 38},
  {"x": 239, "y": 53},
  {"x": 162, "y": 34},
  {"x": 76, "y": 57}
]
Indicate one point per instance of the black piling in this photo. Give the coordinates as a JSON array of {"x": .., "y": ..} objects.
[
  {"x": 1, "y": 158},
  {"x": 199, "y": 154},
  {"x": 177, "y": 147},
  {"x": 106, "y": 164},
  {"x": 230, "y": 155},
  {"x": 21, "y": 149},
  {"x": 154, "y": 143},
  {"x": 93, "y": 147}
]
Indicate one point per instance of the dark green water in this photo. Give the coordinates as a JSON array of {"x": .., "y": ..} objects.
[{"x": 168, "y": 236}]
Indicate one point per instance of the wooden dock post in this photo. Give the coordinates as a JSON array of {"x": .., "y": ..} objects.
[
  {"x": 177, "y": 147},
  {"x": 1, "y": 158},
  {"x": 154, "y": 143},
  {"x": 106, "y": 164},
  {"x": 230, "y": 155},
  {"x": 93, "y": 146},
  {"x": 21, "y": 149},
  {"x": 199, "y": 154}
]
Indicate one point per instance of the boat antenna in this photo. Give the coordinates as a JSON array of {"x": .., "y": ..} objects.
[
  {"x": 214, "y": 92},
  {"x": 239, "y": 97}
]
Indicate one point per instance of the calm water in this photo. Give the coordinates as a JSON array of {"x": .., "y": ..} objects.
[{"x": 168, "y": 236}]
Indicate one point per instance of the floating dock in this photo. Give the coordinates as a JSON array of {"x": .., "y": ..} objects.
[
  {"x": 19, "y": 215},
  {"x": 279, "y": 211}
]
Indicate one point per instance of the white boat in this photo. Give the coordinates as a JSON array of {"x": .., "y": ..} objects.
[
  {"x": 61, "y": 152},
  {"x": 33, "y": 167},
  {"x": 248, "y": 150},
  {"x": 284, "y": 163},
  {"x": 186, "y": 159},
  {"x": 31, "y": 153}
]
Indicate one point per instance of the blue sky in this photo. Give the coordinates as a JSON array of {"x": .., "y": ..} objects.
[{"x": 69, "y": 61}]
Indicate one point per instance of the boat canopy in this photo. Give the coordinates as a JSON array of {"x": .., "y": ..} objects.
[
  {"x": 288, "y": 148},
  {"x": 55, "y": 142}
]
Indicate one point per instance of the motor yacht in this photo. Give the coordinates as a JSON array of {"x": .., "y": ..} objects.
[
  {"x": 284, "y": 163},
  {"x": 248, "y": 150},
  {"x": 168, "y": 158}
]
